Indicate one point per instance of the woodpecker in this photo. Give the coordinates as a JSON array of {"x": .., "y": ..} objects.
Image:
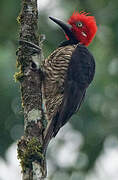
[{"x": 68, "y": 72}]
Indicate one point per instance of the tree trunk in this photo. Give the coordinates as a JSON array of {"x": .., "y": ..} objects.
[{"x": 30, "y": 152}]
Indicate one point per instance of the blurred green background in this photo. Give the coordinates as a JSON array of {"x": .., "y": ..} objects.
[{"x": 97, "y": 120}]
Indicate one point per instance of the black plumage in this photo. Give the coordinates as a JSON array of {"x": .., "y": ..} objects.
[
  {"x": 77, "y": 77},
  {"x": 80, "y": 73}
]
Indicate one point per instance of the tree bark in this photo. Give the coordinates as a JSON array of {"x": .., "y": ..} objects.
[{"x": 30, "y": 152}]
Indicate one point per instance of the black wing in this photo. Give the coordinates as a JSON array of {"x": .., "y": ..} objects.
[{"x": 80, "y": 74}]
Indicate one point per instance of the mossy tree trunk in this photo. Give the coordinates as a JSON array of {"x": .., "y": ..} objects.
[{"x": 30, "y": 78}]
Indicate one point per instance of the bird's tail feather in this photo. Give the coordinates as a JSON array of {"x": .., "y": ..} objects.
[{"x": 49, "y": 133}]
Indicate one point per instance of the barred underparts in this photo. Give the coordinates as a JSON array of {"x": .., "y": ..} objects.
[{"x": 55, "y": 69}]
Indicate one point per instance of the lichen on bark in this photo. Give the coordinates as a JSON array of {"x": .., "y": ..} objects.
[{"x": 30, "y": 77}]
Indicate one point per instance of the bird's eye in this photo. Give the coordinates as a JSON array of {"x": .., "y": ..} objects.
[{"x": 79, "y": 24}]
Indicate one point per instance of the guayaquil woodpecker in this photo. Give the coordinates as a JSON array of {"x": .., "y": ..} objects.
[{"x": 67, "y": 72}]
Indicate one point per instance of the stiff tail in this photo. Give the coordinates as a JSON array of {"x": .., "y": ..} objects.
[{"x": 49, "y": 133}]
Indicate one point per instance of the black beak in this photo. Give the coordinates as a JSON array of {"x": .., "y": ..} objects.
[{"x": 65, "y": 27}]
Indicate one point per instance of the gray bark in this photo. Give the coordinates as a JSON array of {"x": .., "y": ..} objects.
[{"x": 30, "y": 152}]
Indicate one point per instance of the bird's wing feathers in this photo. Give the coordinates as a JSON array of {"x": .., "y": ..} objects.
[
  {"x": 73, "y": 98},
  {"x": 79, "y": 75}
]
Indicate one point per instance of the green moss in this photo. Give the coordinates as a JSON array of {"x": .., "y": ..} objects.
[
  {"x": 18, "y": 19},
  {"x": 22, "y": 104},
  {"x": 17, "y": 64},
  {"x": 29, "y": 151},
  {"x": 18, "y": 76}
]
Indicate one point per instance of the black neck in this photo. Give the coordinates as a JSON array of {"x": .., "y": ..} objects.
[{"x": 68, "y": 42}]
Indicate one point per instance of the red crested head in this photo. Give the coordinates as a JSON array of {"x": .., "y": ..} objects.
[{"x": 83, "y": 27}]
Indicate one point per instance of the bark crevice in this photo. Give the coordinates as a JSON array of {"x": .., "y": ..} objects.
[{"x": 30, "y": 145}]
